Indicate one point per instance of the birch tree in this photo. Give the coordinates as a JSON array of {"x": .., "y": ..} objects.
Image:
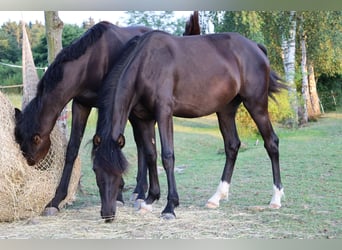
[
  {"x": 324, "y": 47},
  {"x": 54, "y": 30},
  {"x": 307, "y": 108},
  {"x": 289, "y": 57},
  {"x": 204, "y": 21}
]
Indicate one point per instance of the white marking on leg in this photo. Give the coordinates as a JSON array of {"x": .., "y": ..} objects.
[
  {"x": 134, "y": 196},
  {"x": 221, "y": 193},
  {"x": 145, "y": 208},
  {"x": 137, "y": 203},
  {"x": 276, "y": 197}
]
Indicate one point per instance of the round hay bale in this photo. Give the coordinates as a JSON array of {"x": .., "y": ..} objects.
[{"x": 25, "y": 190}]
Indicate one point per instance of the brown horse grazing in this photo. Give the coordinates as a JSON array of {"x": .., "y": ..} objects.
[
  {"x": 192, "y": 26},
  {"x": 160, "y": 76},
  {"x": 76, "y": 73}
]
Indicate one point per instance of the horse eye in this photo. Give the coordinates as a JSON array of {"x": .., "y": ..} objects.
[{"x": 96, "y": 140}]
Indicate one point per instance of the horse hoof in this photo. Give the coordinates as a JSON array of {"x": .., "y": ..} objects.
[
  {"x": 168, "y": 216},
  {"x": 50, "y": 211},
  {"x": 212, "y": 205},
  {"x": 119, "y": 204},
  {"x": 274, "y": 206},
  {"x": 138, "y": 203},
  {"x": 145, "y": 208},
  {"x": 134, "y": 196},
  {"x": 109, "y": 220}
]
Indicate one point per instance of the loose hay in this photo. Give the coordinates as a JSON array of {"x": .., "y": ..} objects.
[{"x": 25, "y": 190}]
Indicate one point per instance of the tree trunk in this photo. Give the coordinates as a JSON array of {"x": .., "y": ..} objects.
[
  {"x": 305, "y": 85},
  {"x": 314, "y": 99},
  {"x": 204, "y": 21},
  {"x": 289, "y": 49},
  {"x": 54, "y": 30}
]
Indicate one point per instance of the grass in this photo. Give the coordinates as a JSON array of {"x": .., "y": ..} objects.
[{"x": 311, "y": 171}]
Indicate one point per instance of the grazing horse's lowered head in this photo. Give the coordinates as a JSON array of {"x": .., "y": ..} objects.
[
  {"x": 33, "y": 144},
  {"x": 108, "y": 179}
]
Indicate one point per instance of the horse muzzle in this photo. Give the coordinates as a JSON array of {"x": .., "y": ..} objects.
[
  {"x": 29, "y": 159},
  {"x": 108, "y": 217}
]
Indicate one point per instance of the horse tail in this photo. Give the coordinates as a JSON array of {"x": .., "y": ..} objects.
[
  {"x": 263, "y": 48},
  {"x": 276, "y": 83}
]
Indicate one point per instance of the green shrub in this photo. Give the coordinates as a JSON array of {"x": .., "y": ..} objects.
[{"x": 279, "y": 111}]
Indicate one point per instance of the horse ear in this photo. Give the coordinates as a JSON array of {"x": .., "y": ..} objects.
[
  {"x": 121, "y": 141},
  {"x": 96, "y": 140},
  {"x": 18, "y": 114},
  {"x": 36, "y": 139}
]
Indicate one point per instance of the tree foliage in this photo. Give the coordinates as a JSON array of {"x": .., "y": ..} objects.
[
  {"x": 11, "y": 46},
  {"x": 160, "y": 20},
  {"x": 323, "y": 31}
]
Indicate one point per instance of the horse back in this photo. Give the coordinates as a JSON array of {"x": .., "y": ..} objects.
[{"x": 196, "y": 68}]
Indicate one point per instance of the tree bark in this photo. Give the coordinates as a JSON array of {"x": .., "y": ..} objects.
[
  {"x": 204, "y": 20},
  {"x": 54, "y": 30},
  {"x": 314, "y": 99},
  {"x": 305, "y": 84},
  {"x": 289, "y": 52}
]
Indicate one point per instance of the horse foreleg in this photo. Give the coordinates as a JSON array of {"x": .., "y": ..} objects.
[
  {"x": 80, "y": 115},
  {"x": 231, "y": 139},
  {"x": 165, "y": 126}
]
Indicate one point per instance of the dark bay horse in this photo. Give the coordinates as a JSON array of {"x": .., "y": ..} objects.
[
  {"x": 77, "y": 73},
  {"x": 161, "y": 76}
]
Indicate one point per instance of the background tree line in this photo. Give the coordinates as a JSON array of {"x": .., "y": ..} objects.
[{"x": 303, "y": 46}]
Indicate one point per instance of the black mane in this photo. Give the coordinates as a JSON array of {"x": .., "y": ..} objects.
[
  {"x": 110, "y": 159},
  {"x": 108, "y": 89},
  {"x": 108, "y": 154},
  {"x": 54, "y": 73},
  {"x": 110, "y": 83}
]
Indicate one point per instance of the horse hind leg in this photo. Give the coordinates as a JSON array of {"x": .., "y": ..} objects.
[
  {"x": 232, "y": 143},
  {"x": 259, "y": 113}
]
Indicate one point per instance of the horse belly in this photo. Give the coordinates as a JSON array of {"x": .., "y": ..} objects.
[{"x": 204, "y": 99}]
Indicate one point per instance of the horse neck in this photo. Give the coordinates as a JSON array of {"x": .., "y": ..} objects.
[
  {"x": 122, "y": 103},
  {"x": 49, "y": 110}
]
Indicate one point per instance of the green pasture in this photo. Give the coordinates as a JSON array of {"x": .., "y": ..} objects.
[{"x": 311, "y": 170}]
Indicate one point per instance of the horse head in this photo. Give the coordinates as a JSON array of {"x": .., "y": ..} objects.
[
  {"x": 33, "y": 145},
  {"x": 109, "y": 164}
]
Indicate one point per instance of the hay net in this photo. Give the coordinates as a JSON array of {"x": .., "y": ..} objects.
[{"x": 25, "y": 190}]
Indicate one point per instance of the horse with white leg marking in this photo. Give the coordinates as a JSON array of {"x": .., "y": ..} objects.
[{"x": 161, "y": 76}]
